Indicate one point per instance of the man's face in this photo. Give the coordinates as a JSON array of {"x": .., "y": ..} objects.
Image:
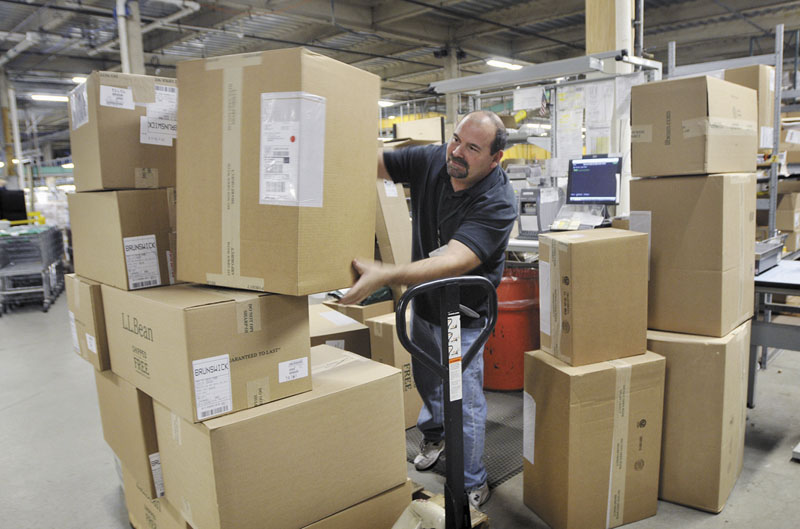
[{"x": 469, "y": 155}]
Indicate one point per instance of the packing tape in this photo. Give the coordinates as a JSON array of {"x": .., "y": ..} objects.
[
  {"x": 619, "y": 444},
  {"x": 693, "y": 128},
  {"x": 641, "y": 133},
  {"x": 76, "y": 293},
  {"x": 232, "y": 81},
  {"x": 258, "y": 391},
  {"x": 145, "y": 177}
]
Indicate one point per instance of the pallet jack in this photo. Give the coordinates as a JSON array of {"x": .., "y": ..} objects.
[{"x": 449, "y": 366}]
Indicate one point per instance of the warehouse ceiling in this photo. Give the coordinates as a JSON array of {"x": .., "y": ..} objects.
[{"x": 45, "y": 43}]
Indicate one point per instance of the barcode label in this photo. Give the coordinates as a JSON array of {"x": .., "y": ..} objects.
[
  {"x": 212, "y": 386},
  {"x": 274, "y": 168},
  {"x": 274, "y": 187},
  {"x": 141, "y": 260},
  {"x": 280, "y": 153},
  {"x": 144, "y": 284},
  {"x": 79, "y": 106},
  {"x": 165, "y": 88}
]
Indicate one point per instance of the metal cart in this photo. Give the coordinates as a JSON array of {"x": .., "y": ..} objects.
[{"x": 31, "y": 267}]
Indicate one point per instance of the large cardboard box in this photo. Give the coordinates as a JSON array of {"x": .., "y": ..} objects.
[
  {"x": 702, "y": 248},
  {"x": 792, "y": 243},
  {"x": 703, "y": 445},
  {"x": 393, "y": 227},
  {"x": 121, "y": 238},
  {"x": 698, "y": 125},
  {"x": 276, "y": 172},
  {"x": 361, "y": 313},
  {"x": 294, "y": 461},
  {"x": 387, "y": 349},
  {"x": 87, "y": 321},
  {"x": 592, "y": 440},
  {"x": 760, "y": 78},
  {"x": 130, "y": 430},
  {"x": 204, "y": 351},
  {"x": 379, "y": 512},
  {"x": 331, "y": 327},
  {"x": 787, "y": 216},
  {"x": 147, "y": 513},
  {"x": 123, "y": 129},
  {"x": 593, "y": 294}
]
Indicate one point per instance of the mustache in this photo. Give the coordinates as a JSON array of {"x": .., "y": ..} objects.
[{"x": 458, "y": 160}]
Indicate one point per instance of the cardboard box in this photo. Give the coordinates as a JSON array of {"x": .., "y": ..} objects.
[
  {"x": 787, "y": 216},
  {"x": 702, "y": 247},
  {"x": 698, "y": 125},
  {"x": 361, "y": 313},
  {"x": 387, "y": 349},
  {"x": 792, "y": 243},
  {"x": 259, "y": 210},
  {"x": 123, "y": 129},
  {"x": 592, "y": 440},
  {"x": 331, "y": 327},
  {"x": 790, "y": 143},
  {"x": 130, "y": 430},
  {"x": 147, "y": 513},
  {"x": 760, "y": 78},
  {"x": 379, "y": 512},
  {"x": 295, "y": 461},
  {"x": 87, "y": 321},
  {"x": 393, "y": 227},
  {"x": 121, "y": 238},
  {"x": 204, "y": 351},
  {"x": 703, "y": 445},
  {"x": 762, "y": 233},
  {"x": 789, "y": 186},
  {"x": 593, "y": 294}
]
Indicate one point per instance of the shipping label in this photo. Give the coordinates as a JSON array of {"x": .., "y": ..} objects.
[
  {"x": 141, "y": 260},
  {"x": 154, "y": 131},
  {"x": 158, "y": 477},
  {"x": 292, "y": 370},
  {"x": 391, "y": 188},
  {"x": 74, "y": 330},
  {"x": 337, "y": 318},
  {"x": 212, "y": 386},
  {"x": 116, "y": 97},
  {"x": 79, "y": 106},
  {"x": 91, "y": 343},
  {"x": 544, "y": 297},
  {"x": 339, "y": 344},
  {"x": 528, "y": 426}
]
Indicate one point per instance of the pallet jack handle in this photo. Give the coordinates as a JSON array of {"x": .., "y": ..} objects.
[{"x": 449, "y": 367}]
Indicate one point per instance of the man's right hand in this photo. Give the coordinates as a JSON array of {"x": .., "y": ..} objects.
[{"x": 372, "y": 276}]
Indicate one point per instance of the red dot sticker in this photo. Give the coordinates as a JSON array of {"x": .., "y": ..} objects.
[{"x": 291, "y": 139}]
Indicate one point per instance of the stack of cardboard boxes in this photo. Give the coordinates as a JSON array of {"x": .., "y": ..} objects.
[
  {"x": 217, "y": 406},
  {"x": 694, "y": 149},
  {"x": 593, "y": 395}
]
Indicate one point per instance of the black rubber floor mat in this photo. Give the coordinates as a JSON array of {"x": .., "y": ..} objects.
[{"x": 503, "y": 452}]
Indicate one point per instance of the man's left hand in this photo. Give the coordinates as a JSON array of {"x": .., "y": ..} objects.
[{"x": 373, "y": 275}]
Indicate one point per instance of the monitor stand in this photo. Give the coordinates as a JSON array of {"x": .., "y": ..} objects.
[{"x": 580, "y": 217}]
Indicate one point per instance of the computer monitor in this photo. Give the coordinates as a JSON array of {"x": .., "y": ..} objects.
[{"x": 594, "y": 180}]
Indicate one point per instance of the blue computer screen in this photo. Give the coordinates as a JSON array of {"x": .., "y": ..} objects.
[{"x": 593, "y": 181}]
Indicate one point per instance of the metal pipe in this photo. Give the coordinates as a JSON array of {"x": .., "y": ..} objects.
[
  {"x": 796, "y": 54},
  {"x": 776, "y": 132},
  {"x": 122, "y": 31},
  {"x": 638, "y": 22},
  {"x": 31, "y": 39},
  {"x": 12, "y": 104}
]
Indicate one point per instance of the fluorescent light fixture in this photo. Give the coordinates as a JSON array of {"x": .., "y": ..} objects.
[
  {"x": 384, "y": 103},
  {"x": 2, "y": 164},
  {"x": 392, "y": 117},
  {"x": 14, "y": 160},
  {"x": 503, "y": 64},
  {"x": 68, "y": 165},
  {"x": 49, "y": 97},
  {"x": 79, "y": 79}
]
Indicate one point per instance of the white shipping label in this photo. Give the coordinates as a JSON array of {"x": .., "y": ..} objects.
[
  {"x": 74, "y": 330},
  {"x": 157, "y": 131},
  {"x": 765, "y": 141},
  {"x": 528, "y": 426},
  {"x": 158, "y": 476},
  {"x": 793, "y": 136},
  {"x": 454, "y": 355},
  {"x": 292, "y": 149},
  {"x": 339, "y": 344},
  {"x": 338, "y": 319},
  {"x": 544, "y": 297},
  {"x": 91, "y": 343},
  {"x": 117, "y": 97},
  {"x": 166, "y": 104},
  {"x": 391, "y": 188},
  {"x": 79, "y": 106},
  {"x": 141, "y": 260},
  {"x": 212, "y": 386},
  {"x": 292, "y": 369}
]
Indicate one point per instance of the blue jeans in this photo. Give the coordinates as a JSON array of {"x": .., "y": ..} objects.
[{"x": 431, "y": 418}]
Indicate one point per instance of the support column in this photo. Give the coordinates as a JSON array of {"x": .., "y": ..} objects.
[
  {"x": 12, "y": 104},
  {"x": 129, "y": 28},
  {"x": 8, "y": 141},
  {"x": 609, "y": 27},
  {"x": 451, "y": 100}
]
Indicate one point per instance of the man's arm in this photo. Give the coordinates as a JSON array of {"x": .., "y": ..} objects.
[
  {"x": 456, "y": 260},
  {"x": 382, "y": 172}
]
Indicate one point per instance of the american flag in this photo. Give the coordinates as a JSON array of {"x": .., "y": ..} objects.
[{"x": 543, "y": 107}]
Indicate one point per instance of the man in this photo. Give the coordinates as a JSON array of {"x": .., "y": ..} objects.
[{"x": 463, "y": 209}]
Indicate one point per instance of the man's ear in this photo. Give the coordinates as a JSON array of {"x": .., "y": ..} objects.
[{"x": 496, "y": 158}]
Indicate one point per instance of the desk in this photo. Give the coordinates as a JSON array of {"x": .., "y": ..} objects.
[{"x": 782, "y": 279}]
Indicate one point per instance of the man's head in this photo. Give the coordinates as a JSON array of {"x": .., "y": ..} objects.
[{"x": 476, "y": 146}]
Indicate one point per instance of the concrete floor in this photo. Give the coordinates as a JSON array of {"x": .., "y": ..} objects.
[{"x": 57, "y": 472}]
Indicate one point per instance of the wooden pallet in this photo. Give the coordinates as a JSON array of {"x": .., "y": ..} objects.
[{"x": 479, "y": 520}]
